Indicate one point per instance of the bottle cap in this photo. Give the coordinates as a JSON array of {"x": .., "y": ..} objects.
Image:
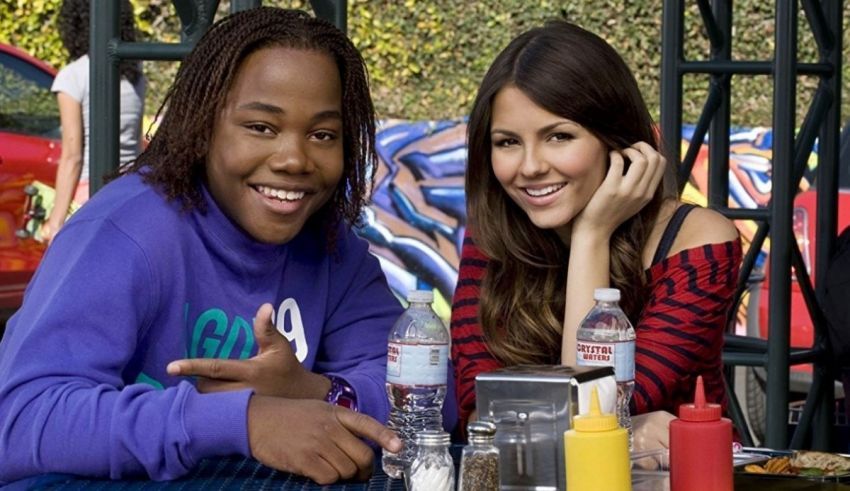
[
  {"x": 420, "y": 296},
  {"x": 594, "y": 420},
  {"x": 432, "y": 437},
  {"x": 606, "y": 295},
  {"x": 481, "y": 431},
  {"x": 700, "y": 410}
]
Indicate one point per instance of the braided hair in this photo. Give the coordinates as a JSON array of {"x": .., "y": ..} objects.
[
  {"x": 74, "y": 31},
  {"x": 175, "y": 159}
]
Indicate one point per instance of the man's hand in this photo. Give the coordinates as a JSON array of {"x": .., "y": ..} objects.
[
  {"x": 314, "y": 439},
  {"x": 275, "y": 371}
]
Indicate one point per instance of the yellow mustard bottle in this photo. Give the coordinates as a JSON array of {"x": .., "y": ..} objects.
[{"x": 596, "y": 450}]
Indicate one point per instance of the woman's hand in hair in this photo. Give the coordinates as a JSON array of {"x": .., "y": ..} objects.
[
  {"x": 314, "y": 439},
  {"x": 623, "y": 192},
  {"x": 275, "y": 371}
]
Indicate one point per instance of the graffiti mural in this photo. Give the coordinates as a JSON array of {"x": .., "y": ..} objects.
[
  {"x": 749, "y": 175},
  {"x": 416, "y": 222}
]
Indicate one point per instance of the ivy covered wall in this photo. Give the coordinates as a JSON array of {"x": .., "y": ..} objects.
[{"x": 427, "y": 57}]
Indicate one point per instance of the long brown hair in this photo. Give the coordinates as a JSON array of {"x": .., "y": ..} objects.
[
  {"x": 175, "y": 160},
  {"x": 575, "y": 74}
]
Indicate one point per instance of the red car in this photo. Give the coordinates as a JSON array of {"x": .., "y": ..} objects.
[
  {"x": 29, "y": 151},
  {"x": 805, "y": 215},
  {"x": 802, "y": 328}
]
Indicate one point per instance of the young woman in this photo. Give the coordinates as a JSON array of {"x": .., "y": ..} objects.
[
  {"x": 567, "y": 192},
  {"x": 243, "y": 198},
  {"x": 72, "y": 94}
]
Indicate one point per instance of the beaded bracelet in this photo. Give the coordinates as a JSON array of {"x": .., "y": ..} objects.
[{"x": 341, "y": 393}]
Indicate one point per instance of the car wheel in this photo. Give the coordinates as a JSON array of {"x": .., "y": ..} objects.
[
  {"x": 756, "y": 383},
  {"x": 754, "y": 390}
]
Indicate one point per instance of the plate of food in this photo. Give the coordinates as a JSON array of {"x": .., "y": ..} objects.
[{"x": 806, "y": 464}]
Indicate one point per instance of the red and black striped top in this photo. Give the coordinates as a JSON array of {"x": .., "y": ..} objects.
[{"x": 679, "y": 333}]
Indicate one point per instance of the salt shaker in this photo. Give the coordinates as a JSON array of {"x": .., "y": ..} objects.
[
  {"x": 432, "y": 468},
  {"x": 479, "y": 465}
]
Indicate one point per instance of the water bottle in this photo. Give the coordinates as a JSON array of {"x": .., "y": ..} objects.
[
  {"x": 417, "y": 365},
  {"x": 606, "y": 338}
]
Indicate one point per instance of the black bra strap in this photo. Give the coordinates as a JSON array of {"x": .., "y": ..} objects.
[{"x": 671, "y": 231}]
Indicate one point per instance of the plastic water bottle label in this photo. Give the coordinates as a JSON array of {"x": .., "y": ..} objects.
[
  {"x": 620, "y": 355},
  {"x": 417, "y": 364}
]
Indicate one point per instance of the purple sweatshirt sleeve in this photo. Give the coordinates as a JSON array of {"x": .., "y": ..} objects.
[
  {"x": 66, "y": 403},
  {"x": 362, "y": 311}
]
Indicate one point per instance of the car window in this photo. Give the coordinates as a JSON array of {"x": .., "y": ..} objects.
[{"x": 26, "y": 104}]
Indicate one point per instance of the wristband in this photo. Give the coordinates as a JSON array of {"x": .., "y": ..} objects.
[{"x": 341, "y": 393}]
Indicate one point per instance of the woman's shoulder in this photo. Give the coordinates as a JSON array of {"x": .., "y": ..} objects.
[
  {"x": 703, "y": 226},
  {"x": 78, "y": 67},
  {"x": 73, "y": 77},
  {"x": 699, "y": 227}
]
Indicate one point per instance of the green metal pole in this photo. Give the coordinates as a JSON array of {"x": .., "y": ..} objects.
[
  {"x": 784, "y": 110},
  {"x": 672, "y": 56},
  {"x": 718, "y": 140},
  {"x": 104, "y": 92},
  {"x": 153, "y": 51},
  {"x": 196, "y": 16},
  {"x": 239, "y": 5},
  {"x": 334, "y": 11},
  {"x": 827, "y": 209}
]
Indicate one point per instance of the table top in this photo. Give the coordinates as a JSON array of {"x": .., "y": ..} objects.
[
  {"x": 248, "y": 474},
  {"x": 228, "y": 473}
]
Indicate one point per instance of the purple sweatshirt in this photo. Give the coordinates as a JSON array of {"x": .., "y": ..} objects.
[{"x": 132, "y": 283}]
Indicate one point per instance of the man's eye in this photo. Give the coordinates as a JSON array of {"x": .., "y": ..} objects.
[
  {"x": 324, "y": 135},
  {"x": 259, "y": 127}
]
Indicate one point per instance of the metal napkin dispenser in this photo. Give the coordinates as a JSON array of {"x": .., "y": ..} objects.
[{"x": 532, "y": 406}]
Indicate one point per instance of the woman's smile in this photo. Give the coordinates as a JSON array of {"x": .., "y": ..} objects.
[{"x": 543, "y": 195}]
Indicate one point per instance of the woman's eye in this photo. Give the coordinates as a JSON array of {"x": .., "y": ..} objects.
[
  {"x": 505, "y": 142},
  {"x": 560, "y": 137}
]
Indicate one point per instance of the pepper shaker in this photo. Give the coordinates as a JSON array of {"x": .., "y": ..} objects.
[
  {"x": 479, "y": 465},
  {"x": 432, "y": 468}
]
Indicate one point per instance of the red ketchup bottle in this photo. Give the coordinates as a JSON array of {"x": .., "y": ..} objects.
[{"x": 700, "y": 447}]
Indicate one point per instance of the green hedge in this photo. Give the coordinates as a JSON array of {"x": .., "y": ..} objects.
[{"x": 427, "y": 57}]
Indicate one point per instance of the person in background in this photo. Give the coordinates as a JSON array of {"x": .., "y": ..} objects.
[
  {"x": 72, "y": 94},
  {"x": 567, "y": 192},
  {"x": 140, "y": 349}
]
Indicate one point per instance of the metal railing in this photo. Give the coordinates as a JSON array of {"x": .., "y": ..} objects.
[{"x": 790, "y": 154}]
